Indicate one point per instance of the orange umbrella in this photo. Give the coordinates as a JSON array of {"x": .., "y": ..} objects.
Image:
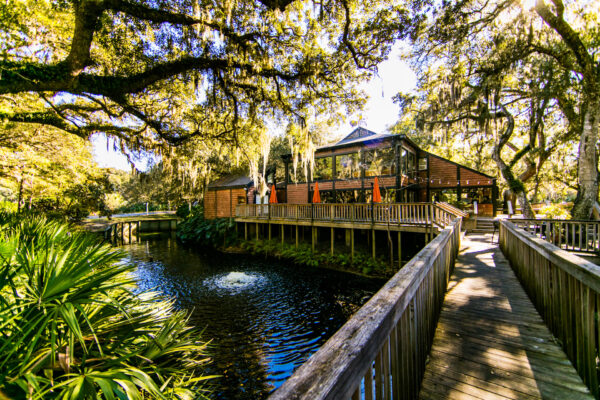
[
  {"x": 316, "y": 194},
  {"x": 273, "y": 196},
  {"x": 376, "y": 193}
]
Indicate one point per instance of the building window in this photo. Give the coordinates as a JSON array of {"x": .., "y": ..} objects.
[
  {"x": 380, "y": 162},
  {"x": 411, "y": 164},
  {"x": 350, "y": 196},
  {"x": 241, "y": 199},
  {"x": 403, "y": 160},
  {"x": 323, "y": 169},
  {"x": 423, "y": 164},
  {"x": 299, "y": 177},
  {"x": 347, "y": 166}
]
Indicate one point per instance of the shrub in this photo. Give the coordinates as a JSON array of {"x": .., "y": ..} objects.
[
  {"x": 73, "y": 326},
  {"x": 303, "y": 255},
  {"x": 554, "y": 211},
  {"x": 206, "y": 232}
]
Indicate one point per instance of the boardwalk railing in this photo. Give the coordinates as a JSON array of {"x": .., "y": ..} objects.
[
  {"x": 565, "y": 290},
  {"x": 381, "y": 351},
  {"x": 451, "y": 209},
  {"x": 571, "y": 235},
  {"x": 396, "y": 213}
]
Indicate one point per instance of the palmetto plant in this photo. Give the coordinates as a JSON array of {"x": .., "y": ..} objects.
[{"x": 73, "y": 326}]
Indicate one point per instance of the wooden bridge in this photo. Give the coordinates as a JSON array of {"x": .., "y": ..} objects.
[
  {"x": 470, "y": 332},
  {"x": 128, "y": 230}
]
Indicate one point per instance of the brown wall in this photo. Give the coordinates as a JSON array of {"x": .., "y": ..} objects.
[
  {"x": 446, "y": 171},
  {"x": 297, "y": 193},
  {"x": 442, "y": 173},
  {"x": 471, "y": 178},
  {"x": 221, "y": 203},
  {"x": 210, "y": 204}
]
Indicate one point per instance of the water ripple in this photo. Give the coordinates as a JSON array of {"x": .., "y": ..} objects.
[{"x": 265, "y": 318}]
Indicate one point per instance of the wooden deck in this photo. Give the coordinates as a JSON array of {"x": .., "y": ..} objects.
[{"x": 490, "y": 342}]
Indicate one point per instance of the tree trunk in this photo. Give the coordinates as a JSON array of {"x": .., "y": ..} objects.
[
  {"x": 514, "y": 184},
  {"x": 587, "y": 167}
]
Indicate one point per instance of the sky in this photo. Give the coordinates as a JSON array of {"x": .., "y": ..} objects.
[{"x": 380, "y": 111}]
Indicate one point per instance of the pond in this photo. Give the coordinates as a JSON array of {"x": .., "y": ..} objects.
[{"x": 265, "y": 317}]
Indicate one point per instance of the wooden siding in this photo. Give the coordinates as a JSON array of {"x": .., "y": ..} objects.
[
  {"x": 221, "y": 203},
  {"x": 443, "y": 174},
  {"x": 347, "y": 184},
  {"x": 210, "y": 204},
  {"x": 297, "y": 193},
  {"x": 472, "y": 178}
]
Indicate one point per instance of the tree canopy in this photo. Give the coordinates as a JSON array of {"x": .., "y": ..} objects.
[
  {"x": 149, "y": 72},
  {"x": 525, "y": 77}
]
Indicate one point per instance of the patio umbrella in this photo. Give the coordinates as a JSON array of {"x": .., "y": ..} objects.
[
  {"x": 273, "y": 196},
  {"x": 316, "y": 195},
  {"x": 376, "y": 193}
]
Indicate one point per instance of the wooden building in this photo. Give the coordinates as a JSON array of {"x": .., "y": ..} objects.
[
  {"x": 345, "y": 172},
  {"x": 223, "y": 195}
]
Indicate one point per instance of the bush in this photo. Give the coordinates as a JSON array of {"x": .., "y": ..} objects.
[
  {"x": 554, "y": 211},
  {"x": 72, "y": 325},
  {"x": 206, "y": 232},
  {"x": 303, "y": 255}
]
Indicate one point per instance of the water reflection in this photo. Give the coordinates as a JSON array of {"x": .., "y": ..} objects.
[{"x": 265, "y": 318}]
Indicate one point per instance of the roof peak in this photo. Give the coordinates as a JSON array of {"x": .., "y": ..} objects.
[{"x": 357, "y": 133}]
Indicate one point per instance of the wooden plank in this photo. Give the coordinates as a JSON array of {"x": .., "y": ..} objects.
[
  {"x": 490, "y": 342},
  {"x": 369, "y": 384}
]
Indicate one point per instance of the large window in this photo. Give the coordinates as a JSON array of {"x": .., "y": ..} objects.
[
  {"x": 408, "y": 162},
  {"x": 323, "y": 169},
  {"x": 347, "y": 166},
  {"x": 380, "y": 162},
  {"x": 411, "y": 164},
  {"x": 300, "y": 177}
]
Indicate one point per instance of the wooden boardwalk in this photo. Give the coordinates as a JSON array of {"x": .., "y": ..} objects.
[{"x": 490, "y": 342}]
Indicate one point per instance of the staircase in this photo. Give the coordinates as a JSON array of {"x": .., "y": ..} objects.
[{"x": 484, "y": 225}]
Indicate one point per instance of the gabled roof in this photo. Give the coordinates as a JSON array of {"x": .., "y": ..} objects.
[
  {"x": 231, "y": 181},
  {"x": 358, "y": 135}
]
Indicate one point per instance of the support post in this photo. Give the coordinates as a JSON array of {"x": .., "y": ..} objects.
[
  {"x": 139, "y": 225},
  {"x": 373, "y": 242},
  {"x": 129, "y": 232},
  {"x": 332, "y": 240},
  {"x": 257, "y": 231},
  {"x": 269, "y": 231},
  {"x": 282, "y": 233},
  {"x": 313, "y": 238},
  {"x": 296, "y": 236},
  {"x": 352, "y": 244},
  {"x": 245, "y": 231}
]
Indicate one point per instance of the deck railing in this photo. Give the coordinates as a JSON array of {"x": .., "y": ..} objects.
[
  {"x": 451, "y": 209},
  {"x": 571, "y": 235},
  {"x": 565, "y": 289},
  {"x": 396, "y": 213},
  {"x": 381, "y": 351}
]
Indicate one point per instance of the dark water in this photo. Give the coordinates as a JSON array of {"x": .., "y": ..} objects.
[{"x": 265, "y": 317}]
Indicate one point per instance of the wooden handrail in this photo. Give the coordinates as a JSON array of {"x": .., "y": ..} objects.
[
  {"x": 368, "y": 213},
  {"x": 565, "y": 289},
  {"x": 571, "y": 235},
  {"x": 384, "y": 346},
  {"x": 457, "y": 212}
]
